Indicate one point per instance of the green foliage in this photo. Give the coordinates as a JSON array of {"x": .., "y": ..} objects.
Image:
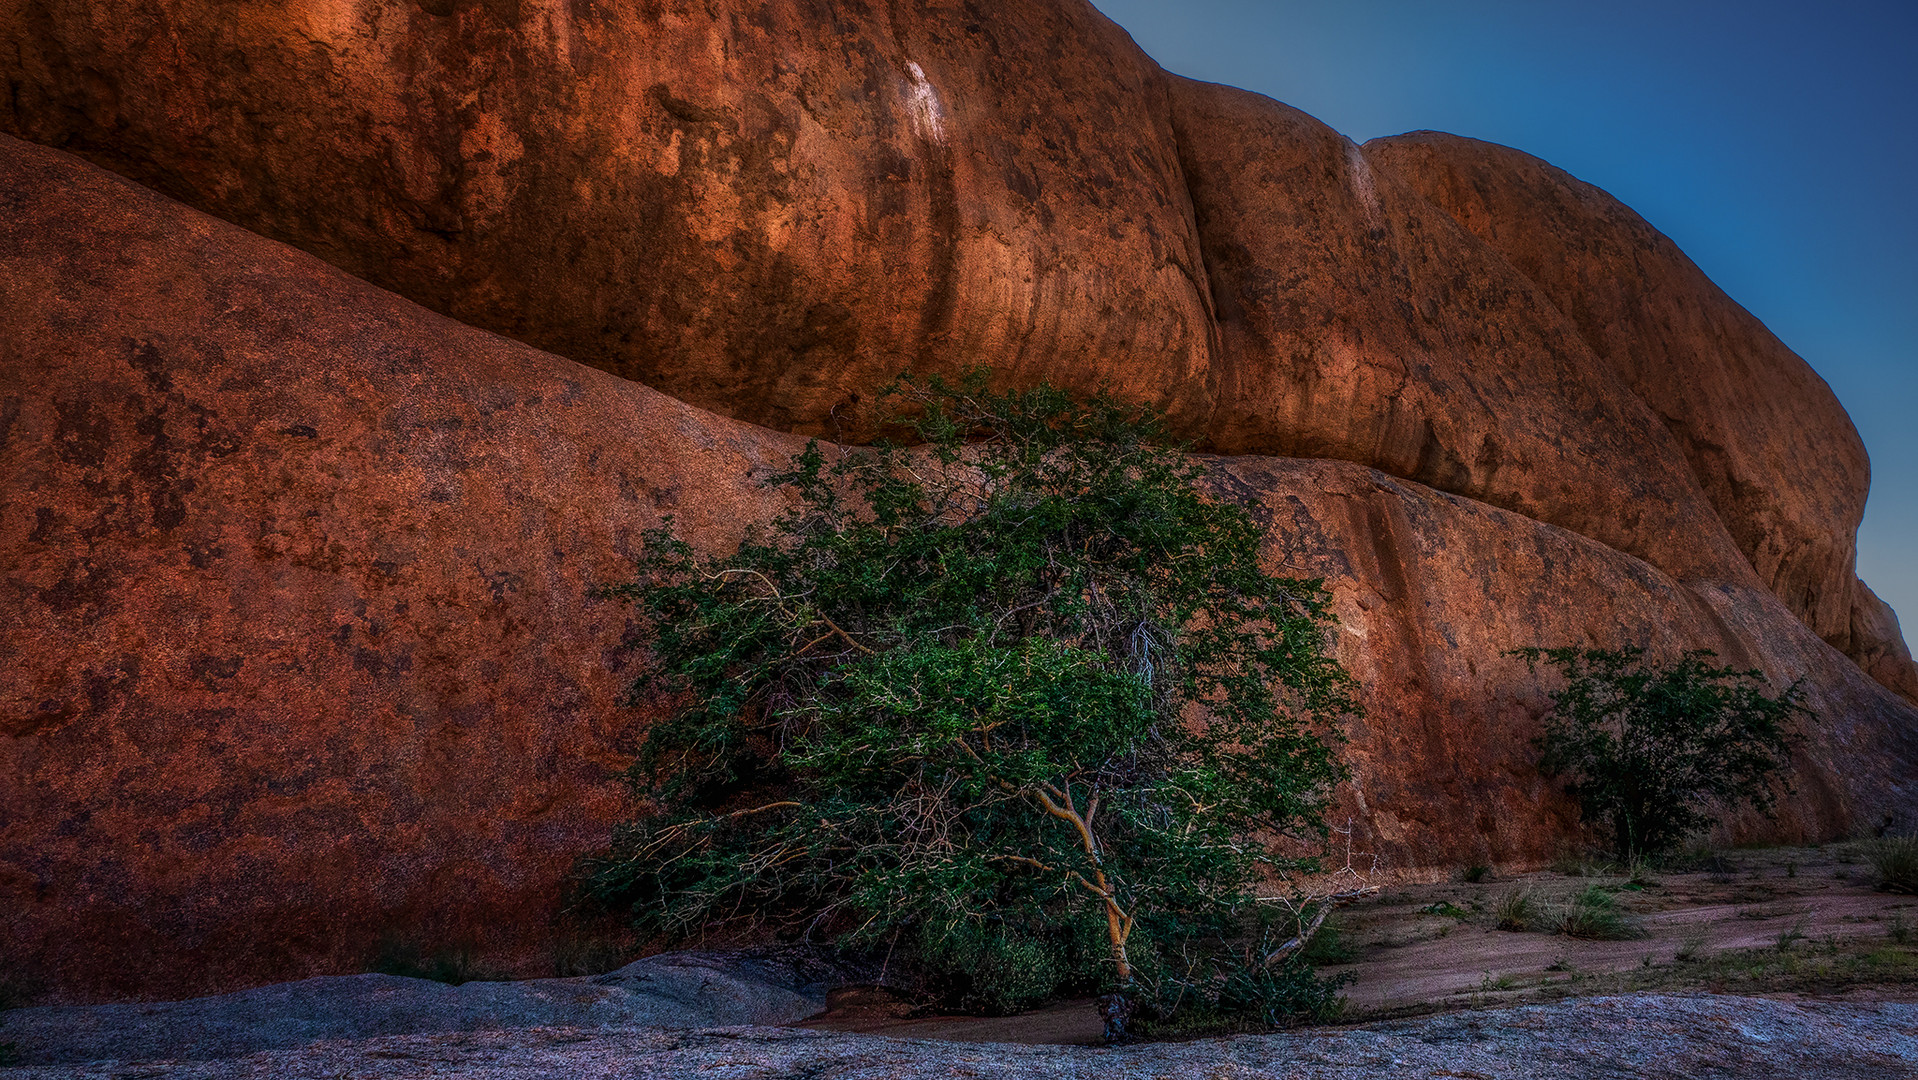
[
  {"x": 1329, "y": 946},
  {"x": 1018, "y": 699},
  {"x": 1895, "y": 860},
  {"x": 1516, "y": 910},
  {"x": 1594, "y": 914},
  {"x": 1655, "y": 751}
]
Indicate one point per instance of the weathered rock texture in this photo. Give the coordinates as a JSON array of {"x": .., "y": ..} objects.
[
  {"x": 300, "y": 646},
  {"x": 296, "y": 633},
  {"x": 1766, "y": 438},
  {"x": 1426, "y": 586},
  {"x": 300, "y": 651},
  {"x": 768, "y": 209},
  {"x": 671, "y": 990},
  {"x": 1648, "y": 1036}
]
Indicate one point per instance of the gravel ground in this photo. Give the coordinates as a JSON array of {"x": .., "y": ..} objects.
[{"x": 1699, "y": 1037}]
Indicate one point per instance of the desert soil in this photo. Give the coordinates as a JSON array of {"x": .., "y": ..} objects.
[
  {"x": 1759, "y": 964},
  {"x": 1434, "y": 947}
]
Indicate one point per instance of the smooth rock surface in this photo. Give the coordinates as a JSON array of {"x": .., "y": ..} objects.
[
  {"x": 1765, "y": 436},
  {"x": 1432, "y": 590},
  {"x": 1647, "y": 1037},
  {"x": 769, "y": 209},
  {"x": 672, "y": 990},
  {"x": 298, "y": 646},
  {"x": 299, "y": 650}
]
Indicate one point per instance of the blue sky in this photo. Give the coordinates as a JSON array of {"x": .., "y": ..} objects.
[{"x": 1777, "y": 143}]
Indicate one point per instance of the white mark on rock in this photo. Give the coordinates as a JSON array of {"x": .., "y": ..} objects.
[
  {"x": 1362, "y": 185},
  {"x": 922, "y": 102}
]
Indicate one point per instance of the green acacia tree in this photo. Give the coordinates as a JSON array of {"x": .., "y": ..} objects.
[
  {"x": 1019, "y": 698},
  {"x": 1655, "y": 752}
]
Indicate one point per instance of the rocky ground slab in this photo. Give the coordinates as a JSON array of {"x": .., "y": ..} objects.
[
  {"x": 1650, "y": 1036},
  {"x": 674, "y": 990}
]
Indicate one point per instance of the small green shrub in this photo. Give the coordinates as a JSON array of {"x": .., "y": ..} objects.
[
  {"x": 1895, "y": 860},
  {"x": 1898, "y": 929},
  {"x": 1690, "y": 949},
  {"x": 1794, "y": 933},
  {"x": 1476, "y": 873},
  {"x": 998, "y": 969},
  {"x": 1245, "y": 998},
  {"x": 1594, "y": 914},
  {"x": 1516, "y": 910},
  {"x": 1654, "y": 751}
]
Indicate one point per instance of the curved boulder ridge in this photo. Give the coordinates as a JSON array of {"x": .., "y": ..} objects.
[
  {"x": 768, "y": 209},
  {"x": 1765, "y": 436},
  {"x": 299, "y": 649},
  {"x": 1433, "y": 590}
]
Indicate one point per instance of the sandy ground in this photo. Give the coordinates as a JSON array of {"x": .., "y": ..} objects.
[{"x": 1411, "y": 953}]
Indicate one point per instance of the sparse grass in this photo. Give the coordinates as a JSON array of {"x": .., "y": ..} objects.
[
  {"x": 1583, "y": 865},
  {"x": 1898, "y": 930},
  {"x": 1697, "y": 857},
  {"x": 1794, "y": 932},
  {"x": 1489, "y": 984},
  {"x": 1330, "y": 946},
  {"x": 1446, "y": 908},
  {"x": 1516, "y": 910},
  {"x": 1836, "y": 966},
  {"x": 1691, "y": 947},
  {"x": 1594, "y": 914},
  {"x": 1895, "y": 860}
]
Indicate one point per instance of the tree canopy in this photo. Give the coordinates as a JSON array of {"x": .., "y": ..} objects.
[
  {"x": 1656, "y": 752},
  {"x": 1019, "y": 698}
]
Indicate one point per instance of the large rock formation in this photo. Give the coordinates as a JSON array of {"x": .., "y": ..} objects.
[
  {"x": 1765, "y": 437},
  {"x": 769, "y": 209},
  {"x": 301, "y": 651},
  {"x": 299, "y": 643}
]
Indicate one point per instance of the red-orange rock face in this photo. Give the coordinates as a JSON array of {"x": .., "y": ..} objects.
[
  {"x": 1432, "y": 589},
  {"x": 296, "y": 633},
  {"x": 300, "y": 649},
  {"x": 762, "y": 208},
  {"x": 297, "y": 641},
  {"x": 1765, "y": 437},
  {"x": 769, "y": 209}
]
